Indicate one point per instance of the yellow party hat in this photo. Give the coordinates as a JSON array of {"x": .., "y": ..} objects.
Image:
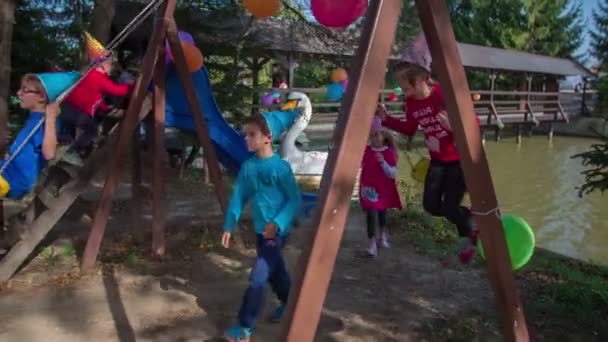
[{"x": 95, "y": 49}]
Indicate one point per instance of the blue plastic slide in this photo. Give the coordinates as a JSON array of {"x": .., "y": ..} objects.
[{"x": 229, "y": 144}]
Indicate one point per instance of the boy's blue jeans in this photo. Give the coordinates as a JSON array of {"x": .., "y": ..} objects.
[{"x": 269, "y": 267}]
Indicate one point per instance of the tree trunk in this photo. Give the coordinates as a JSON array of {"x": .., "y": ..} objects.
[
  {"x": 101, "y": 22},
  {"x": 7, "y": 17}
]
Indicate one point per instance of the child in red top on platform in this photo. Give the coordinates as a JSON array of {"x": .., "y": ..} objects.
[
  {"x": 444, "y": 185},
  {"x": 377, "y": 188},
  {"x": 81, "y": 105}
]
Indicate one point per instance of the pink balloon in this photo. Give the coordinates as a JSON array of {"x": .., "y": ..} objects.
[{"x": 338, "y": 14}]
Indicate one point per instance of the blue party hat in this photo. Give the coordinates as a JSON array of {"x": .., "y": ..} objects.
[
  {"x": 55, "y": 83},
  {"x": 278, "y": 122}
]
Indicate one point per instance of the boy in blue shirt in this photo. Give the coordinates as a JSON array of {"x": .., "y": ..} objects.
[
  {"x": 268, "y": 182},
  {"x": 21, "y": 175}
]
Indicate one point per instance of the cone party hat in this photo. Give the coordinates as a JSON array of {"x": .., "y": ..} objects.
[
  {"x": 95, "y": 50},
  {"x": 55, "y": 83}
]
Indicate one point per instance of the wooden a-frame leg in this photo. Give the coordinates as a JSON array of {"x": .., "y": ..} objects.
[
  {"x": 317, "y": 260},
  {"x": 126, "y": 129},
  {"x": 158, "y": 187},
  {"x": 202, "y": 130},
  {"x": 435, "y": 20},
  {"x": 136, "y": 186}
]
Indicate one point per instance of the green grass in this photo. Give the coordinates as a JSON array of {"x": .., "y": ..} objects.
[
  {"x": 563, "y": 298},
  {"x": 428, "y": 235},
  {"x": 562, "y": 290}
]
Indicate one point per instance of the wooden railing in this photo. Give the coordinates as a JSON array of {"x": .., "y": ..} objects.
[{"x": 495, "y": 109}]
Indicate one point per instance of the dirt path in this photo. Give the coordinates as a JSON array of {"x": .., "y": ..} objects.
[{"x": 194, "y": 295}]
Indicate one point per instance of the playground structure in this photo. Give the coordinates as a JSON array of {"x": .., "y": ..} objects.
[
  {"x": 49, "y": 195},
  {"x": 317, "y": 260}
]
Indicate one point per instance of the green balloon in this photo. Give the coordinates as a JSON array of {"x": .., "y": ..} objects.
[
  {"x": 398, "y": 91},
  {"x": 15, "y": 100},
  {"x": 520, "y": 240}
]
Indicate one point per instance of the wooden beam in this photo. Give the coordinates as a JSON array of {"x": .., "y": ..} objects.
[
  {"x": 435, "y": 20},
  {"x": 136, "y": 188},
  {"x": 255, "y": 79},
  {"x": 126, "y": 129},
  {"x": 528, "y": 101},
  {"x": 158, "y": 146},
  {"x": 291, "y": 69},
  {"x": 202, "y": 130},
  {"x": 317, "y": 260}
]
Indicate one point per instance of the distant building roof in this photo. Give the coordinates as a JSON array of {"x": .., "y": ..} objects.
[
  {"x": 277, "y": 35},
  {"x": 484, "y": 57}
]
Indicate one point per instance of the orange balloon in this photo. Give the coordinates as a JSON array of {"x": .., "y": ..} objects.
[
  {"x": 339, "y": 75},
  {"x": 476, "y": 97},
  {"x": 194, "y": 57},
  {"x": 263, "y": 8}
]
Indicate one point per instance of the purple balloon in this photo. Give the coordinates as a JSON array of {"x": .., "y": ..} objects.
[
  {"x": 344, "y": 85},
  {"x": 184, "y": 37},
  {"x": 268, "y": 99}
]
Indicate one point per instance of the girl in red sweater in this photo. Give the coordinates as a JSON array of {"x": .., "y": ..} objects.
[
  {"x": 82, "y": 103},
  {"x": 444, "y": 186},
  {"x": 377, "y": 187}
]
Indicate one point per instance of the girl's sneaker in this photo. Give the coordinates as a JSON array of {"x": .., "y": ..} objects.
[
  {"x": 372, "y": 250},
  {"x": 383, "y": 241},
  {"x": 467, "y": 251},
  {"x": 238, "y": 334}
]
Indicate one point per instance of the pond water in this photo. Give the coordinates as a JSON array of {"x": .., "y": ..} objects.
[{"x": 537, "y": 180}]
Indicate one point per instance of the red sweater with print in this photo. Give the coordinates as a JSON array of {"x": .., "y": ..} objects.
[
  {"x": 88, "y": 94},
  {"x": 423, "y": 113}
]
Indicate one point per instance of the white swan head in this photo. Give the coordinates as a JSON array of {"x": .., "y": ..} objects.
[{"x": 298, "y": 100}]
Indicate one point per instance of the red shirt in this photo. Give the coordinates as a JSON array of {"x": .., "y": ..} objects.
[
  {"x": 423, "y": 113},
  {"x": 88, "y": 95}
]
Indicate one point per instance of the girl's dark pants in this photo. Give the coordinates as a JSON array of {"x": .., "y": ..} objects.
[
  {"x": 269, "y": 267},
  {"x": 376, "y": 220},
  {"x": 444, "y": 189},
  {"x": 73, "y": 118}
]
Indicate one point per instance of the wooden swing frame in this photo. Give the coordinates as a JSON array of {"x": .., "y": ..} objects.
[{"x": 318, "y": 256}]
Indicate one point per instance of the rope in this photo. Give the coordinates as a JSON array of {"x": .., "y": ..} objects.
[
  {"x": 150, "y": 8},
  {"x": 495, "y": 211}
]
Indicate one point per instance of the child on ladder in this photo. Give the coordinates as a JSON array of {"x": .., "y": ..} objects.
[
  {"x": 378, "y": 189},
  {"x": 268, "y": 183},
  {"x": 444, "y": 185},
  {"x": 82, "y": 103},
  {"x": 21, "y": 173}
]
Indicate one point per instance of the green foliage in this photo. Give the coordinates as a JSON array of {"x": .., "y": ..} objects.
[
  {"x": 44, "y": 37},
  {"x": 47, "y": 35},
  {"x": 602, "y": 92},
  {"x": 548, "y": 27},
  {"x": 596, "y": 162},
  {"x": 596, "y": 158},
  {"x": 599, "y": 34}
]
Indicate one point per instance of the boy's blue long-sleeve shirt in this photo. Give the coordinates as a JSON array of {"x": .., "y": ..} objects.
[
  {"x": 23, "y": 172},
  {"x": 272, "y": 189}
]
